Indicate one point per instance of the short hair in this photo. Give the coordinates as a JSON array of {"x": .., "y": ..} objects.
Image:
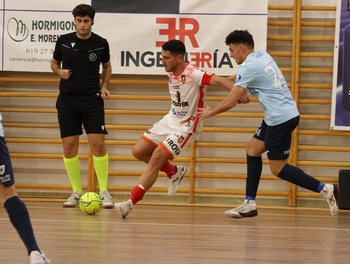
[
  {"x": 176, "y": 47},
  {"x": 84, "y": 10},
  {"x": 240, "y": 37}
]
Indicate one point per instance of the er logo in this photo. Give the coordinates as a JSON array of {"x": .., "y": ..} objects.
[{"x": 188, "y": 27}]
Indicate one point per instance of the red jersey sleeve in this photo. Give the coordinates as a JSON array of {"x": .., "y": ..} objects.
[{"x": 206, "y": 78}]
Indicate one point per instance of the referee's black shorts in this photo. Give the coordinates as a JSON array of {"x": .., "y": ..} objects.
[{"x": 75, "y": 111}]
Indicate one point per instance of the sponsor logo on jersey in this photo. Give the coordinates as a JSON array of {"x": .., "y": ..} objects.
[
  {"x": 178, "y": 102},
  {"x": 183, "y": 79},
  {"x": 188, "y": 121},
  {"x": 178, "y": 113},
  {"x": 180, "y": 139},
  {"x": 178, "y": 96}
]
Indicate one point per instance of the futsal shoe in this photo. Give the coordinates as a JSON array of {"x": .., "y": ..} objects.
[
  {"x": 106, "y": 199},
  {"x": 73, "y": 200},
  {"x": 36, "y": 257},
  {"x": 124, "y": 208},
  {"x": 328, "y": 193},
  {"x": 246, "y": 209},
  {"x": 176, "y": 179}
]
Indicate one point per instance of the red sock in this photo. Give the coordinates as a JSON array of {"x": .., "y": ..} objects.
[
  {"x": 169, "y": 169},
  {"x": 137, "y": 194}
]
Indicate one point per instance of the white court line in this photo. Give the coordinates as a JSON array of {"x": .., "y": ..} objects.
[
  {"x": 125, "y": 222},
  {"x": 128, "y": 222},
  {"x": 219, "y": 211}
]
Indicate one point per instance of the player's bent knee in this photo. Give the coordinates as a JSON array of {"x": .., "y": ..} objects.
[
  {"x": 6, "y": 193},
  {"x": 136, "y": 153}
]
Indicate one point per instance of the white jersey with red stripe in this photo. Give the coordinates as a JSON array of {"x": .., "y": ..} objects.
[{"x": 187, "y": 92}]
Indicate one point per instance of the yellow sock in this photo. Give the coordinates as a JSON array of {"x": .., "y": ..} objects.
[
  {"x": 101, "y": 168},
  {"x": 73, "y": 170}
]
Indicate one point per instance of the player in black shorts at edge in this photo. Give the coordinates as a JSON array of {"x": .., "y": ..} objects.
[
  {"x": 15, "y": 208},
  {"x": 76, "y": 59}
]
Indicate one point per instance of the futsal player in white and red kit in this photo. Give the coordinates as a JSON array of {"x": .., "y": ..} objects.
[{"x": 177, "y": 129}]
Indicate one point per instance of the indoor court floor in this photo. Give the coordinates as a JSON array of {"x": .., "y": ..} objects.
[{"x": 160, "y": 234}]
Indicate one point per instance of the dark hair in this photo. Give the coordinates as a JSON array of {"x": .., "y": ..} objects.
[
  {"x": 240, "y": 37},
  {"x": 84, "y": 10},
  {"x": 176, "y": 47}
]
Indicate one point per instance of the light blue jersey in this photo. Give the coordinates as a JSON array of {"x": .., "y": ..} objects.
[{"x": 260, "y": 75}]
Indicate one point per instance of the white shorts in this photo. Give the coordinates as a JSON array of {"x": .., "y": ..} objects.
[{"x": 173, "y": 141}]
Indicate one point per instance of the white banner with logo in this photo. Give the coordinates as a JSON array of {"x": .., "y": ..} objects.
[{"x": 135, "y": 31}]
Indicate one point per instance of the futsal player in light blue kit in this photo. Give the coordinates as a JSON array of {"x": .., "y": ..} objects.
[
  {"x": 15, "y": 208},
  {"x": 259, "y": 74}
]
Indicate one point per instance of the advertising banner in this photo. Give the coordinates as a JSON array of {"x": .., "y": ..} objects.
[
  {"x": 134, "y": 29},
  {"x": 340, "y": 117}
]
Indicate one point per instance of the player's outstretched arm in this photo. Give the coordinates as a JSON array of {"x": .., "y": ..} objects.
[
  {"x": 217, "y": 80},
  {"x": 232, "y": 77},
  {"x": 228, "y": 83},
  {"x": 226, "y": 104}
]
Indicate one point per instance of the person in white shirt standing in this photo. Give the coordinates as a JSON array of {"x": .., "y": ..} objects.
[{"x": 176, "y": 130}]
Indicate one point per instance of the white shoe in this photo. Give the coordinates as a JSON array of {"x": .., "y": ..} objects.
[
  {"x": 124, "y": 208},
  {"x": 36, "y": 257},
  {"x": 328, "y": 194},
  {"x": 176, "y": 179},
  {"x": 106, "y": 199},
  {"x": 246, "y": 209},
  {"x": 73, "y": 200}
]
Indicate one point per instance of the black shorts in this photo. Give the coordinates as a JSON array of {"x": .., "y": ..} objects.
[
  {"x": 75, "y": 111},
  {"x": 6, "y": 171},
  {"x": 277, "y": 138}
]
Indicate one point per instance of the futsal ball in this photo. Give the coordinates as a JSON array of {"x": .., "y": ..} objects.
[{"x": 90, "y": 203}]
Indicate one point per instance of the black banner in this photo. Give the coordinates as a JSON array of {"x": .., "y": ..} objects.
[{"x": 137, "y": 6}]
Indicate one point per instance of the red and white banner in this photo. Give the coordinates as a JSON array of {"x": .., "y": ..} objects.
[{"x": 135, "y": 31}]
